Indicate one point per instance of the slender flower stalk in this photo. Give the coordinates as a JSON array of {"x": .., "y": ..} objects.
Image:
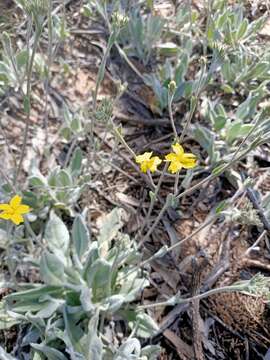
[
  {"x": 10, "y": 263},
  {"x": 165, "y": 249},
  {"x": 153, "y": 199},
  {"x": 179, "y": 300},
  {"x": 220, "y": 171},
  {"x": 27, "y": 101},
  {"x": 171, "y": 91}
]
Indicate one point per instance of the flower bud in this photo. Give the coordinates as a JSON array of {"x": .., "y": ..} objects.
[
  {"x": 172, "y": 87},
  {"x": 119, "y": 20}
]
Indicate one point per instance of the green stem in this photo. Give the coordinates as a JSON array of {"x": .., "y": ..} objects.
[
  {"x": 28, "y": 105},
  {"x": 176, "y": 181},
  {"x": 153, "y": 200},
  {"x": 9, "y": 256},
  {"x": 176, "y": 300},
  {"x": 213, "y": 176},
  {"x": 101, "y": 70},
  {"x": 151, "y": 179},
  {"x": 122, "y": 140},
  {"x": 158, "y": 218},
  {"x": 170, "y": 100},
  {"x": 33, "y": 238},
  {"x": 124, "y": 56},
  {"x": 195, "y": 187},
  {"x": 193, "y": 105},
  {"x": 208, "y": 7},
  {"x": 119, "y": 49},
  {"x": 49, "y": 63},
  {"x": 165, "y": 250}
]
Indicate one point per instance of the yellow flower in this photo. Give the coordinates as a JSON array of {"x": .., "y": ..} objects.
[
  {"x": 14, "y": 210},
  {"x": 147, "y": 162},
  {"x": 180, "y": 159}
]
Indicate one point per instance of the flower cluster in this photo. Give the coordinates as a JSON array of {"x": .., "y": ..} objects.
[
  {"x": 14, "y": 210},
  {"x": 178, "y": 159}
]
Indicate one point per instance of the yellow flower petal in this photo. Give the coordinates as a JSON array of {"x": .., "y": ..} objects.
[
  {"x": 157, "y": 160},
  {"x": 175, "y": 163},
  {"x": 144, "y": 167},
  {"x": 15, "y": 202},
  {"x": 180, "y": 159},
  {"x": 174, "y": 167},
  {"x": 178, "y": 149},
  {"x": 188, "y": 161},
  {"x": 23, "y": 209},
  {"x": 147, "y": 162},
  {"x": 144, "y": 157},
  {"x": 189, "y": 165},
  {"x": 5, "y": 207},
  {"x": 153, "y": 163},
  {"x": 171, "y": 157},
  {"x": 5, "y": 215},
  {"x": 16, "y": 218},
  {"x": 190, "y": 156},
  {"x": 14, "y": 210}
]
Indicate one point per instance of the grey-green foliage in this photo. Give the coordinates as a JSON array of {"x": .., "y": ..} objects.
[
  {"x": 243, "y": 69},
  {"x": 228, "y": 129},
  {"x": 244, "y": 60},
  {"x": 229, "y": 25},
  {"x": 34, "y": 7},
  {"x": 177, "y": 71},
  {"x": 141, "y": 34},
  {"x": 61, "y": 188},
  {"x": 14, "y": 63},
  {"x": 37, "y": 10},
  {"x": 234, "y": 53},
  {"x": 85, "y": 280},
  {"x": 159, "y": 81},
  {"x": 73, "y": 124},
  {"x": 104, "y": 110},
  {"x": 12, "y": 66}
]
